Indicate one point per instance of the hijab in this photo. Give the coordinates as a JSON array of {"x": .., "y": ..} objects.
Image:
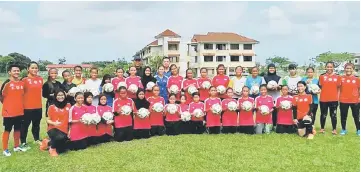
[
  {"x": 141, "y": 103},
  {"x": 145, "y": 79},
  {"x": 86, "y": 95},
  {"x": 271, "y": 76},
  {"x": 105, "y": 77},
  {"x": 100, "y": 96},
  {"x": 58, "y": 104}
]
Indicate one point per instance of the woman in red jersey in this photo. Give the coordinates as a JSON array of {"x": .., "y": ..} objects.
[
  {"x": 329, "y": 83},
  {"x": 133, "y": 79},
  {"x": 213, "y": 120},
  {"x": 141, "y": 125},
  {"x": 185, "y": 125},
  {"x": 221, "y": 79},
  {"x": 246, "y": 121},
  {"x": 284, "y": 117},
  {"x": 175, "y": 79},
  {"x": 203, "y": 88},
  {"x": 104, "y": 129},
  {"x": 350, "y": 97},
  {"x": 263, "y": 118},
  {"x": 229, "y": 116},
  {"x": 91, "y": 129},
  {"x": 197, "y": 122},
  {"x": 187, "y": 82},
  {"x": 78, "y": 131},
  {"x": 172, "y": 120},
  {"x": 115, "y": 81},
  {"x": 156, "y": 118}
]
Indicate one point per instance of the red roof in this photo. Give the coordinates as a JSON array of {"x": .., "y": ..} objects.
[
  {"x": 167, "y": 33},
  {"x": 68, "y": 65},
  {"x": 221, "y": 37},
  {"x": 153, "y": 43}
]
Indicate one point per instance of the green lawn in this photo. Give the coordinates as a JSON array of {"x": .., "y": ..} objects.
[{"x": 238, "y": 152}]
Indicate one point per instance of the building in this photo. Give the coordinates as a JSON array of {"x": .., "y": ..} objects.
[
  {"x": 216, "y": 48},
  {"x": 356, "y": 62},
  {"x": 63, "y": 67}
]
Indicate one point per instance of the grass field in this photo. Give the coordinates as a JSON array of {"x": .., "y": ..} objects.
[{"x": 237, "y": 152}]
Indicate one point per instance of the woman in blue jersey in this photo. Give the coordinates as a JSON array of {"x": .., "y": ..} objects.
[
  {"x": 162, "y": 81},
  {"x": 254, "y": 81},
  {"x": 309, "y": 79}
]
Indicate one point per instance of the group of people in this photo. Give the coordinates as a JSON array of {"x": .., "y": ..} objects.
[{"x": 249, "y": 105}]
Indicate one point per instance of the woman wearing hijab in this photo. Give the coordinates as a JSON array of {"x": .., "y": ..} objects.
[
  {"x": 109, "y": 95},
  {"x": 274, "y": 92},
  {"x": 146, "y": 78},
  {"x": 141, "y": 125}
]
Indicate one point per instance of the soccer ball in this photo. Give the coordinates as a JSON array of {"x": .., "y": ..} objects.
[
  {"x": 186, "y": 116},
  {"x": 285, "y": 104},
  {"x": 232, "y": 106},
  {"x": 307, "y": 120},
  {"x": 172, "y": 108},
  {"x": 133, "y": 88},
  {"x": 86, "y": 119},
  {"x": 158, "y": 107},
  {"x": 198, "y": 113},
  {"x": 264, "y": 110},
  {"x": 238, "y": 89},
  {"x": 143, "y": 113},
  {"x": 221, "y": 89},
  {"x": 108, "y": 87},
  {"x": 247, "y": 105},
  {"x": 82, "y": 88},
  {"x": 95, "y": 118},
  {"x": 255, "y": 89},
  {"x": 192, "y": 89},
  {"x": 120, "y": 84},
  {"x": 174, "y": 89},
  {"x": 150, "y": 85},
  {"x": 94, "y": 91},
  {"x": 108, "y": 116},
  {"x": 206, "y": 85},
  {"x": 314, "y": 88},
  {"x": 126, "y": 110},
  {"x": 272, "y": 85},
  {"x": 73, "y": 91},
  {"x": 293, "y": 89},
  {"x": 216, "y": 109}
]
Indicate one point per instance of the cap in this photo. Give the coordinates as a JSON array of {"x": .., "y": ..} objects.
[{"x": 137, "y": 58}]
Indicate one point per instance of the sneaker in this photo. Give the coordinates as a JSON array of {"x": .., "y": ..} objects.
[
  {"x": 358, "y": 133},
  {"x": 53, "y": 152},
  {"x": 343, "y": 132},
  {"x": 25, "y": 146},
  {"x": 6, "y": 152},
  {"x": 19, "y": 149},
  {"x": 334, "y": 132},
  {"x": 44, "y": 144},
  {"x": 322, "y": 131}
]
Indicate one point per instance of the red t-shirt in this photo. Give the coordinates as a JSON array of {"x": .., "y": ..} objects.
[
  {"x": 267, "y": 101},
  {"x": 203, "y": 93},
  {"x": 193, "y": 106},
  {"x": 329, "y": 84},
  {"x": 185, "y": 84},
  {"x": 115, "y": 83},
  {"x": 172, "y": 117},
  {"x": 156, "y": 118},
  {"x": 175, "y": 80},
  {"x": 350, "y": 89},
  {"x": 78, "y": 130},
  {"x": 141, "y": 123},
  {"x": 136, "y": 81},
  {"x": 104, "y": 128},
  {"x": 303, "y": 104},
  {"x": 61, "y": 115},
  {"x": 32, "y": 92},
  {"x": 229, "y": 118},
  {"x": 121, "y": 120},
  {"x": 284, "y": 117},
  {"x": 12, "y": 93},
  {"x": 221, "y": 80},
  {"x": 184, "y": 107},
  {"x": 91, "y": 129},
  {"x": 245, "y": 117},
  {"x": 212, "y": 119}
]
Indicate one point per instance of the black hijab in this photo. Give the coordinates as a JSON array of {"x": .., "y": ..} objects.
[
  {"x": 141, "y": 103},
  {"x": 86, "y": 95},
  {"x": 145, "y": 79},
  {"x": 58, "y": 104},
  {"x": 271, "y": 76}
]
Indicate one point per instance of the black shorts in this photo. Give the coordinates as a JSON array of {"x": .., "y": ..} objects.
[
  {"x": 285, "y": 129},
  {"x": 10, "y": 122},
  {"x": 246, "y": 129}
]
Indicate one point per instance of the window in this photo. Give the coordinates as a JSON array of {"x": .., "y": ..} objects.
[
  {"x": 234, "y": 46},
  {"x": 173, "y": 47},
  {"x": 232, "y": 69},
  {"x": 196, "y": 59},
  {"x": 174, "y": 59},
  {"x": 356, "y": 61},
  {"x": 247, "y": 58},
  {"x": 208, "y": 46},
  {"x": 208, "y": 58},
  {"x": 195, "y": 72},
  {"x": 220, "y": 58},
  {"x": 210, "y": 72},
  {"x": 221, "y": 46},
  {"x": 195, "y": 48},
  {"x": 234, "y": 58},
  {"x": 247, "y": 46}
]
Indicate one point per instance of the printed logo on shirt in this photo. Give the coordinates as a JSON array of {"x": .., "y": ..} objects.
[
  {"x": 330, "y": 79},
  {"x": 348, "y": 81},
  {"x": 353, "y": 81},
  {"x": 67, "y": 108},
  {"x": 335, "y": 79},
  {"x": 306, "y": 99},
  {"x": 301, "y": 100}
]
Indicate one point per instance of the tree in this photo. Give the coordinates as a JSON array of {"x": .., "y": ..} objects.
[
  {"x": 62, "y": 60},
  {"x": 43, "y": 64},
  {"x": 337, "y": 58},
  {"x": 282, "y": 62},
  {"x": 155, "y": 62},
  {"x": 20, "y": 59},
  {"x": 4, "y": 62}
]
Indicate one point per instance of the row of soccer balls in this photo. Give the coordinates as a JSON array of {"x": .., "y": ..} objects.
[
  {"x": 191, "y": 89},
  {"x": 172, "y": 109}
]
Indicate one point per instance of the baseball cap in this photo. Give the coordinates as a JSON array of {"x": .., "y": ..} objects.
[{"x": 137, "y": 58}]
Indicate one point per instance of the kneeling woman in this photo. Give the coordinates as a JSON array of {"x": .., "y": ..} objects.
[
  {"x": 58, "y": 116},
  {"x": 78, "y": 131},
  {"x": 302, "y": 111},
  {"x": 104, "y": 129}
]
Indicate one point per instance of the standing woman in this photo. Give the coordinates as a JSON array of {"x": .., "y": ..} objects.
[
  {"x": 90, "y": 108},
  {"x": 203, "y": 92},
  {"x": 229, "y": 117},
  {"x": 213, "y": 120},
  {"x": 141, "y": 125},
  {"x": 104, "y": 130},
  {"x": 50, "y": 87},
  {"x": 292, "y": 80},
  {"x": 78, "y": 76},
  {"x": 246, "y": 120},
  {"x": 263, "y": 120},
  {"x": 32, "y": 104},
  {"x": 237, "y": 82},
  {"x": 119, "y": 78},
  {"x": 93, "y": 83},
  {"x": 254, "y": 82},
  {"x": 175, "y": 79},
  {"x": 350, "y": 97},
  {"x": 77, "y": 130},
  {"x": 187, "y": 82},
  {"x": 162, "y": 83},
  {"x": 221, "y": 79},
  {"x": 329, "y": 84},
  {"x": 133, "y": 79},
  {"x": 110, "y": 95},
  {"x": 146, "y": 78},
  {"x": 67, "y": 84},
  {"x": 156, "y": 118},
  {"x": 311, "y": 80}
]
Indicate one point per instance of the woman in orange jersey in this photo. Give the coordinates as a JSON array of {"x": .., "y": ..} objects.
[
  {"x": 58, "y": 116},
  {"x": 32, "y": 104},
  {"x": 329, "y": 83},
  {"x": 350, "y": 97},
  {"x": 302, "y": 111}
]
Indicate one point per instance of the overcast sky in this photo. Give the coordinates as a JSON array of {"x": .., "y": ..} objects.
[{"x": 84, "y": 31}]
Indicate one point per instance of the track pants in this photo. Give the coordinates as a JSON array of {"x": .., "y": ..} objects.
[
  {"x": 31, "y": 116},
  {"x": 325, "y": 106},
  {"x": 355, "y": 108}
]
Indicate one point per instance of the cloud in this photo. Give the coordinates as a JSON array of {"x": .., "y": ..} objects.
[{"x": 9, "y": 21}]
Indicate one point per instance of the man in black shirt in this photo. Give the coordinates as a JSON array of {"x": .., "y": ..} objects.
[{"x": 137, "y": 62}]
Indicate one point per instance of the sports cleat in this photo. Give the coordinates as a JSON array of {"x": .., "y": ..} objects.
[
  {"x": 343, "y": 132},
  {"x": 6, "y": 152},
  {"x": 358, "y": 133},
  {"x": 19, "y": 149}
]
